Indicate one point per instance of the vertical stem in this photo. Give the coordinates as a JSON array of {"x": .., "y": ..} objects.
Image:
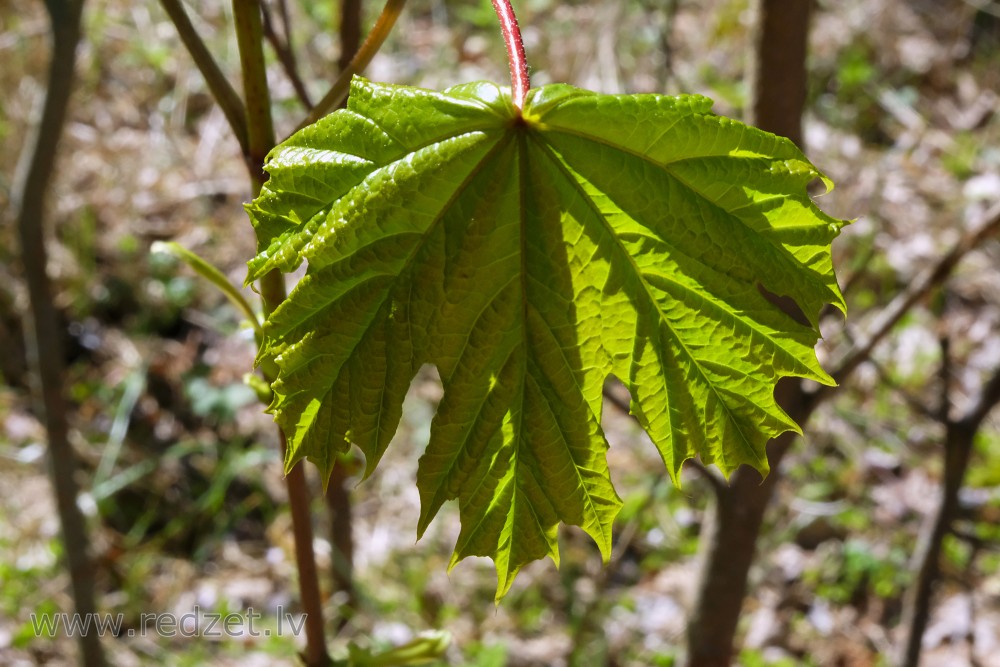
[
  {"x": 45, "y": 345},
  {"x": 519, "y": 82},
  {"x": 777, "y": 73},
  {"x": 260, "y": 135},
  {"x": 917, "y": 603},
  {"x": 257, "y": 95},
  {"x": 350, "y": 32},
  {"x": 959, "y": 443},
  {"x": 729, "y": 544},
  {"x": 338, "y": 496}
]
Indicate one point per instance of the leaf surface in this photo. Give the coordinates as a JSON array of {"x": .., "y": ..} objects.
[{"x": 528, "y": 257}]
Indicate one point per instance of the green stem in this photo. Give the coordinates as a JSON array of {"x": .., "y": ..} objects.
[
  {"x": 260, "y": 127},
  {"x": 249, "y": 37},
  {"x": 214, "y": 276},
  {"x": 223, "y": 92},
  {"x": 338, "y": 92}
]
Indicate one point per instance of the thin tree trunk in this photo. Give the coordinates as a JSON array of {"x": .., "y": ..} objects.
[
  {"x": 777, "y": 83},
  {"x": 916, "y": 608},
  {"x": 729, "y": 541},
  {"x": 776, "y": 75},
  {"x": 350, "y": 31},
  {"x": 958, "y": 444},
  {"x": 45, "y": 343}
]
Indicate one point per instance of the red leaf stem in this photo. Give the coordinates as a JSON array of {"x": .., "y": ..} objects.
[{"x": 519, "y": 82}]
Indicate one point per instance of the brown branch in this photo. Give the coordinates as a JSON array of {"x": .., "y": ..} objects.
[
  {"x": 45, "y": 353},
  {"x": 223, "y": 92},
  {"x": 917, "y": 603},
  {"x": 988, "y": 399},
  {"x": 338, "y": 92},
  {"x": 717, "y": 483},
  {"x": 260, "y": 137},
  {"x": 286, "y": 56},
  {"x": 350, "y": 32},
  {"x": 958, "y": 445},
  {"x": 914, "y": 402},
  {"x": 917, "y": 290},
  {"x": 777, "y": 83}
]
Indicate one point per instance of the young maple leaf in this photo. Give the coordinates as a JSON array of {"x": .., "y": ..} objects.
[{"x": 528, "y": 256}]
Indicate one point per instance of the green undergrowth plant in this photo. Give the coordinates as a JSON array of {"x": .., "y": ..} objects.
[{"x": 530, "y": 243}]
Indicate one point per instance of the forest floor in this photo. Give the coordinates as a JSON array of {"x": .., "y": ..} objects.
[{"x": 185, "y": 496}]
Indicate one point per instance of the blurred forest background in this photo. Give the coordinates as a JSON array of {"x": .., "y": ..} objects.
[{"x": 181, "y": 469}]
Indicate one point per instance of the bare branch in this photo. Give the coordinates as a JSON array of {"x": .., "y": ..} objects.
[
  {"x": 715, "y": 480},
  {"x": 919, "y": 288},
  {"x": 45, "y": 344},
  {"x": 944, "y": 376},
  {"x": 286, "y": 56},
  {"x": 338, "y": 92},
  {"x": 350, "y": 32},
  {"x": 223, "y": 92},
  {"x": 988, "y": 399}
]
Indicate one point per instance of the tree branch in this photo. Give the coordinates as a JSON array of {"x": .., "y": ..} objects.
[
  {"x": 920, "y": 287},
  {"x": 45, "y": 345},
  {"x": 286, "y": 56},
  {"x": 989, "y": 397},
  {"x": 715, "y": 481},
  {"x": 338, "y": 92},
  {"x": 260, "y": 138},
  {"x": 223, "y": 92},
  {"x": 260, "y": 126},
  {"x": 350, "y": 32}
]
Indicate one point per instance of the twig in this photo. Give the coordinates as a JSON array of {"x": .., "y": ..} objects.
[
  {"x": 286, "y": 56},
  {"x": 989, "y": 398},
  {"x": 46, "y": 344},
  {"x": 260, "y": 135},
  {"x": 959, "y": 440},
  {"x": 715, "y": 480},
  {"x": 945, "y": 373},
  {"x": 338, "y": 92},
  {"x": 914, "y": 402},
  {"x": 920, "y": 287},
  {"x": 223, "y": 92},
  {"x": 350, "y": 32}
]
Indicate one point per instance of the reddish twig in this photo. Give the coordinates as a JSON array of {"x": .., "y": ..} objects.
[{"x": 519, "y": 82}]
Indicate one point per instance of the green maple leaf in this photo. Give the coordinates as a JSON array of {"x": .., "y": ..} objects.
[{"x": 528, "y": 258}]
